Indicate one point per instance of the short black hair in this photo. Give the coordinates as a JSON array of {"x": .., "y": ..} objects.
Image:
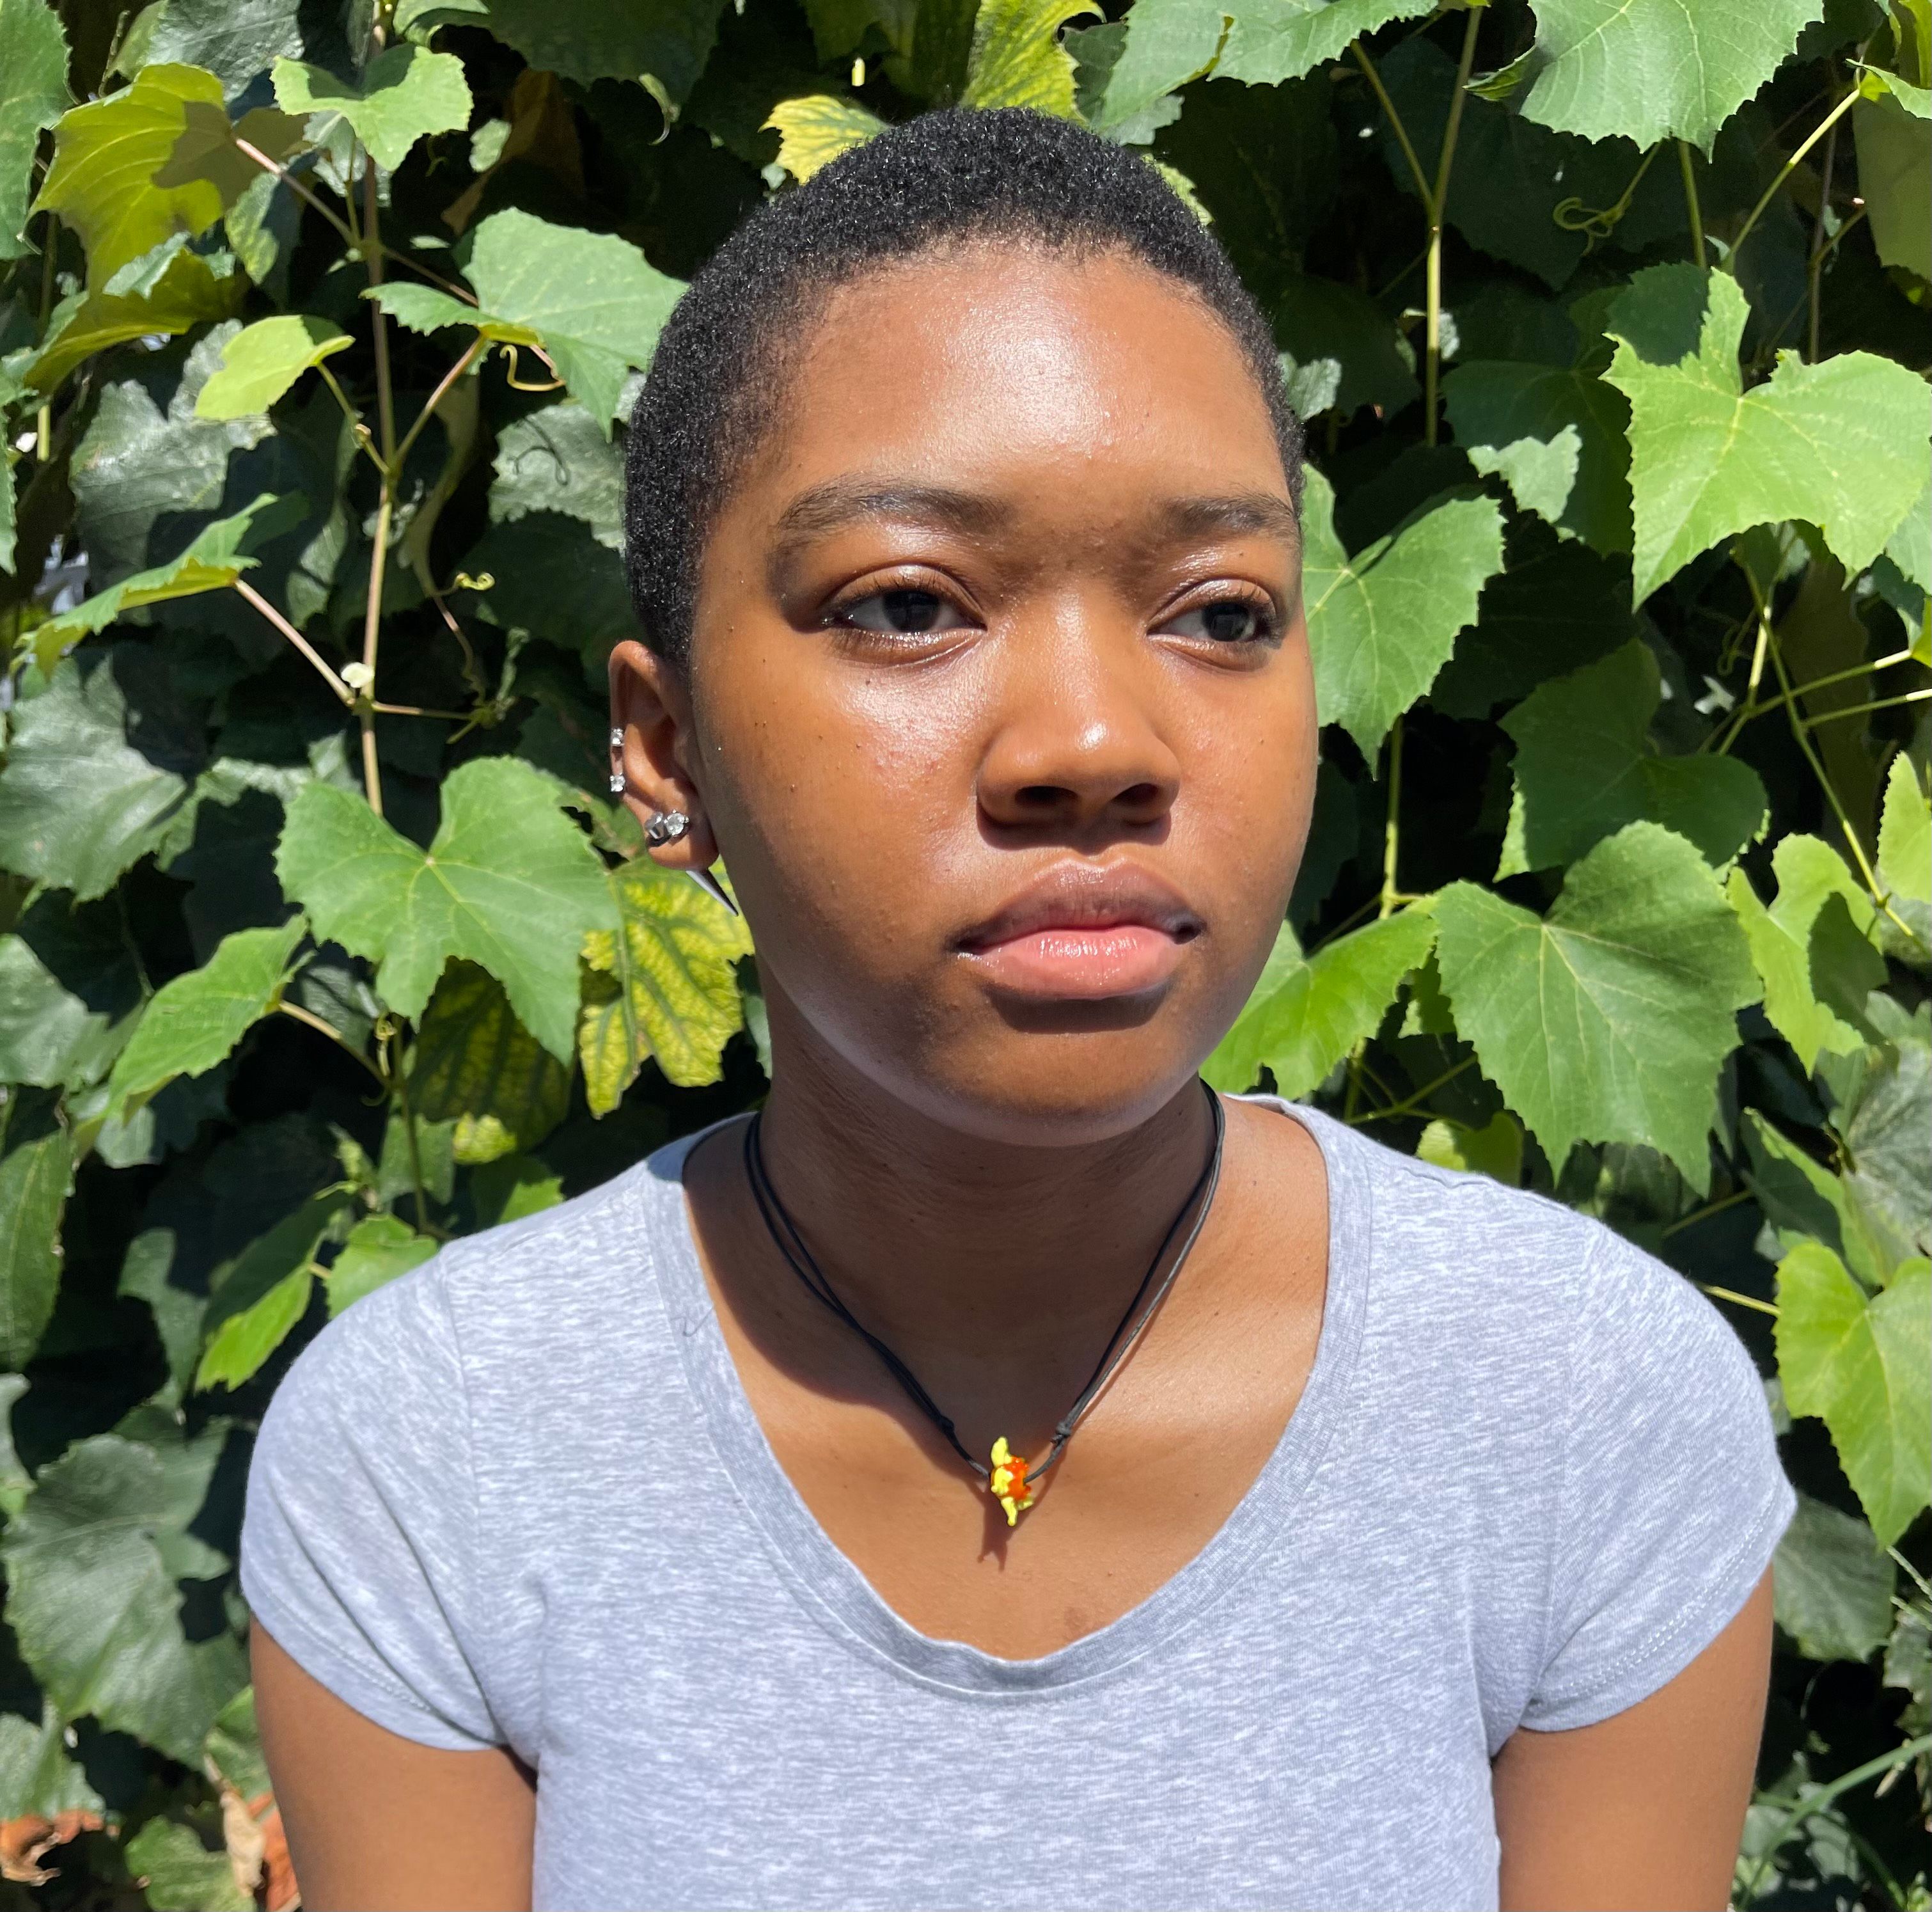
[{"x": 956, "y": 176}]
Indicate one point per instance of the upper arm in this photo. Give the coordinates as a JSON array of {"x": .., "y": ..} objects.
[
  {"x": 374, "y": 1819},
  {"x": 1644, "y": 1808}
]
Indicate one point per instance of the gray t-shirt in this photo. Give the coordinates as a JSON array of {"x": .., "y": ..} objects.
[{"x": 518, "y": 1497}]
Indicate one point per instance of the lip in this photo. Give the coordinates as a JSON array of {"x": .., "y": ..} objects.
[{"x": 1084, "y": 932}]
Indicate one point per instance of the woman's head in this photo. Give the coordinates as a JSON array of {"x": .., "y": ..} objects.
[{"x": 961, "y": 518}]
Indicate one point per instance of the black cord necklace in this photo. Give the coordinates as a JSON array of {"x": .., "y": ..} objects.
[{"x": 1008, "y": 1477}]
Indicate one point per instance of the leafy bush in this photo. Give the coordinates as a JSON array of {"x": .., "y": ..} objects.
[{"x": 323, "y": 944}]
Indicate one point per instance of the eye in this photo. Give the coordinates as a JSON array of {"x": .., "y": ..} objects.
[
  {"x": 1226, "y": 620},
  {"x": 904, "y": 611}
]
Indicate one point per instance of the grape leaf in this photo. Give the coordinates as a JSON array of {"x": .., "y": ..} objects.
[
  {"x": 590, "y": 300},
  {"x": 1584, "y": 767},
  {"x": 70, "y": 984},
  {"x": 1652, "y": 70},
  {"x": 1319, "y": 320},
  {"x": 1905, "y": 847},
  {"x": 197, "y": 1020},
  {"x": 475, "y": 1064},
  {"x": 263, "y": 1292},
  {"x": 234, "y": 40},
  {"x": 1017, "y": 59},
  {"x": 1894, "y": 149},
  {"x": 1494, "y": 1150},
  {"x": 1608, "y": 1019},
  {"x": 177, "y": 1872},
  {"x": 557, "y": 459},
  {"x": 106, "y": 154},
  {"x": 80, "y": 801},
  {"x": 1271, "y": 41},
  {"x": 1809, "y": 873},
  {"x": 1381, "y": 624},
  {"x": 262, "y": 360},
  {"x": 1832, "y": 1584},
  {"x": 662, "y": 44},
  {"x": 187, "y": 292},
  {"x": 211, "y": 563},
  {"x": 33, "y": 95},
  {"x": 1306, "y": 1012},
  {"x": 1841, "y": 445},
  {"x": 814, "y": 130},
  {"x": 1162, "y": 44},
  {"x": 1510, "y": 416},
  {"x": 509, "y": 883},
  {"x": 92, "y": 1594},
  {"x": 379, "y": 1248},
  {"x": 661, "y": 984},
  {"x": 35, "y": 1178},
  {"x": 405, "y": 94},
  {"x": 1864, "y": 1366}
]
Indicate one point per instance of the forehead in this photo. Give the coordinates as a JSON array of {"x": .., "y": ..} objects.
[{"x": 1011, "y": 368}]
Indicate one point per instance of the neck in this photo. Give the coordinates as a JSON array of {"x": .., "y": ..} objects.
[{"x": 933, "y": 1237}]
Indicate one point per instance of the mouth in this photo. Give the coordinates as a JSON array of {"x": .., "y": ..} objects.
[{"x": 1084, "y": 932}]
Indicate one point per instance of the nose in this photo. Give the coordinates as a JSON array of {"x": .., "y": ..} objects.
[{"x": 1077, "y": 745}]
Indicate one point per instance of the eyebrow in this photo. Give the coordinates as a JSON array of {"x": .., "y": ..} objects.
[{"x": 840, "y": 502}]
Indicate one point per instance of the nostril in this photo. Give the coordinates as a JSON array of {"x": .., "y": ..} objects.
[
  {"x": 1040, "y": 796},
  {"x": 1141, "y": 796}
]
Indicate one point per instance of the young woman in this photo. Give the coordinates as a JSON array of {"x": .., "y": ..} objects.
[{"x": 656, "y": 1551}]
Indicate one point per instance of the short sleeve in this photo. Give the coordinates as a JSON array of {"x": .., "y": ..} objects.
[
  {"x": 1673, "y": 1498},
  {"x": 358, "y": 1542}
]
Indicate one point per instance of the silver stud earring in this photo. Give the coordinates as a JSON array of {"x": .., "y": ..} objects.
[
  {"x": 667, "y": 827},
  {"x": 616, "y": 738},
  {"x": 617, "y": 783}
]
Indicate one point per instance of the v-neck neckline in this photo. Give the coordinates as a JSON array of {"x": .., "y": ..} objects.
[{"x": 831, "y": 1588}]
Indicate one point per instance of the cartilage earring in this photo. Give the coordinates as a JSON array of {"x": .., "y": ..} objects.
[
  {"x": 616, "y": 738},
  {"x": 617, "y": 783},
  {"x": 667, "y": 827}
]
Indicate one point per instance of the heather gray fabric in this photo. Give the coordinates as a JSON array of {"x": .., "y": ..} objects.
[{"x": 518, "y": 1497}]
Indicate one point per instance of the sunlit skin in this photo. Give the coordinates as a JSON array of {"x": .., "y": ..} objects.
[{"x": 1010, "y": 596}]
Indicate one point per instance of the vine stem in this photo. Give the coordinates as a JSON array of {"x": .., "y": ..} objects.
[
  {"x": 385, "y": 414},
  {"x": 478, "y": 346},
  {"x": 1704, "y": 1213},
  {"x": 1414, "y": 1101},
  {"x": 1740, "y": 1301},
  {"x": 1864, "y": 710},
  {"x": 1690, "y": 204},
  {"x": 1817, "y": 1802},
  {"x": 1439, "y": 202},
  {"x": 1815, "y": 275},
  {"x": 314, "y": 1021},
  {"x": 1751, "y": 707},
  {"x": 1785, "y": 172},
  {"x": 1392, "y": 829},
  {"x": 296, "y": 637}
]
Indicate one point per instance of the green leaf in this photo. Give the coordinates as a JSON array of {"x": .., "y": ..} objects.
[
  {"x": 1905, "y": 839},
  {"x": 106, "y": 154},
  {"x": 263, "y": 1292},
  {"x": 405, "y": 94},
  {"x": 75, "y": 738},
  {"x": 475, "y": 1064},
  {"x": 1494, "y": 1150},
  {"x": 507, "y": 1190},
  {"x": 211, "y": 563},
  {"x": 177, "y": 1872},
  {"x": 1894, "y": 148},
  {"x": 1883, "y": 1119},
  {"x": 1652, "y": 70},
  {"x": 235, "y": 39},
  {"x": 92, "y": 1594},
  {"x": 813, "y": 131},
  {"x": 1017, "y": 59},
  {"x": 1608, "y": 1019},
  {"x": 1271, "y": 41},
  {"x": 34, "y": 1179},
  {"x": 509, "y": 883},
  {"x": 262, "y": 360},
  {"x": 663, "y": 44},
  {"x": 70, "y": 984},
  {"x": 558, "y": 459},
  {"x": 33, "y": 95},
  {"x": 1584, "y": 767},
  {"x": 1864, "y": 1366},
  {"x": 1555, "y": 435},
  {"x": 1832, "y": 1584},
  {"x": 590, "y": 300},
  {"x": 1381, "y": 624},
  {"x": 1306, "y": 1012},
  {"x": 1163, "y": 45},
  {"x": 197, "y": 1020},
  {"x": 379, "y": 1248},
  {"x": 1809, "y": 873},
  {"x": 1319, "y": 321},
  {"x": 1800, "y": 1198},
  {"x": 1841, "y": 445},
  {"x": 188, "y": 293},
  {"x": 661, "y": 984}
]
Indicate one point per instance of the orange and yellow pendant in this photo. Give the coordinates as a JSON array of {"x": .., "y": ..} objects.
[{"x": 1007, "y": 1483}]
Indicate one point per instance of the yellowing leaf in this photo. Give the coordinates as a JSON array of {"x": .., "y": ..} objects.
[
  {"x": 262, "y": 360},
  {"x": 1017, "y": 59},
  {"x": 662, "y": 986},
  {"x": 815, "y": 130},
  {"x": 188, "y": 292},
  {"x": 476, "y": 1065}
]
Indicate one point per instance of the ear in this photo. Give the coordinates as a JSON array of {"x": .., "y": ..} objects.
[{"x": 650, "y": 704}]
